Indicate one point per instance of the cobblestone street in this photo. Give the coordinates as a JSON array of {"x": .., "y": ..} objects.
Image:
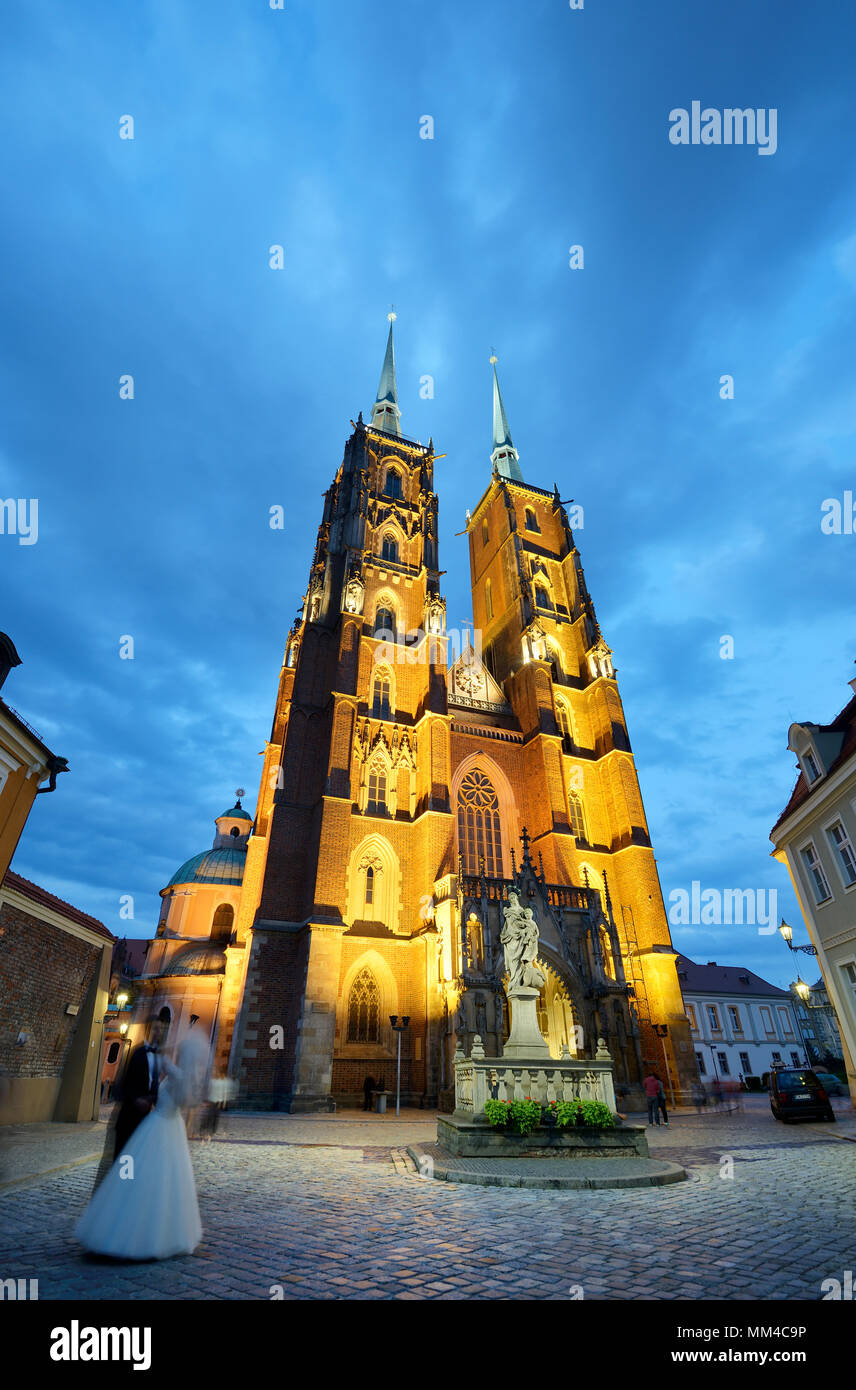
[{"x": 329, "y": 1207}]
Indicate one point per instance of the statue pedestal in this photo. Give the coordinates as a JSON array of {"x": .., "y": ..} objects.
[{"x": 525, "y": 1041}]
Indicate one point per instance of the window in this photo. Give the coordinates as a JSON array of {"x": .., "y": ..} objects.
[
  {"x": 795, "y": 1059},
  {"x": 745, "y": 1064},
  {"x": 691, "y": 1015},
  {"x": 389, "y": 548},
  {"x": 702, "y": 1070},
  {"x": 479, "y": 834},
  {"x": 565, "y": 721},
  {"x": 531, "y": 520},
  {"x": 723, "y": 1063},
  {"x": 734, "y": 1015},
  {"x": 713, "y": 1018},
  {"x": 384, "y": 622},
  {"x": 380, "y": 698},
  {"x": 363, "y": 1009},
  {"x": 767, "y": 1020},
  {"x": 112, "y": 1052},
  {"x": 816, "y": 876},
  {"x": 810, "y": 767},
  {"x": 392, "y": 484},
  {"x": 221, "y": 925},
  {"x": 377, "y": 790},
  {"x": 488, "y": 600},
  {"x": 369, "y": 892},
  {"x": 785, "y": 1021},
  {"x": 842, "y": 852},
  {"x": 849, "y": 972},
  {"x": 777, "y": 1059},
  {"x": 578, "y": 821},
  {"x": 485, "y": 533},
  {"x": 542, "y": 598}
]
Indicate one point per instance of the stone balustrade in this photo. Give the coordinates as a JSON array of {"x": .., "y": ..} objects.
[{"x": 479, "y": 1078}]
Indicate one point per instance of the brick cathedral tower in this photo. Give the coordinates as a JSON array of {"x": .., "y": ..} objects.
[{"x": 403, "y": 794}]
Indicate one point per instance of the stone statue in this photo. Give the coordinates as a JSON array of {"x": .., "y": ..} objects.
[
  {"x": 461, "y": 1022},
  {"x": 481, "y": 1016},
  {"x": 520, "y": 943}
]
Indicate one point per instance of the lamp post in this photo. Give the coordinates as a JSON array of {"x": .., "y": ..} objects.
[
  {"x": 803, "y": 990},
  {"x": 662, "y": 1031},
  {"x": 399, "y": 1029}
]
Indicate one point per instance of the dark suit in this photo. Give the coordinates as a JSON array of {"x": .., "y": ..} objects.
[{"x": 137, "y": 1084}]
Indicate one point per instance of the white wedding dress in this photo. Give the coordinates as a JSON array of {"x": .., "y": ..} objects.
[{"x": 154, "y": 1213}]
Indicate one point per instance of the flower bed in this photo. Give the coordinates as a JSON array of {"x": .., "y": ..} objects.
[{"x": 522, "y": 1116}]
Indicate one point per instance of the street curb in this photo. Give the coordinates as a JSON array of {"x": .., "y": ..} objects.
[{"x": 49, "y": 1172}]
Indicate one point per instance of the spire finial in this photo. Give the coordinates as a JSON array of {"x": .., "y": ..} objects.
[
  {"x": 504, "y": 457},
  {"x": 385, "y": 412}
]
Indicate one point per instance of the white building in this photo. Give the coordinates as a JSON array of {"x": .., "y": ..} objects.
[
  {"x": 739, "y": 1023},
  {"x": 815, "y": 837}
]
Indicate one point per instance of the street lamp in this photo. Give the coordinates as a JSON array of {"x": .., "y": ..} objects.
[
  {"x": 787, "y": 932},
  {"x": 662, "y": 1031},
  {"x": 399, "y": 1029}
]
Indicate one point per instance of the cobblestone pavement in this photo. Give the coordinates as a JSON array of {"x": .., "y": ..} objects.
[{"x": 330, "y": 1208}]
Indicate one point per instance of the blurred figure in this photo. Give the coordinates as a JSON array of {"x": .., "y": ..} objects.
[
  {"x": 699, "y": 1097},
  {"x": 139, "y": 1091},
  {"x": 716, "y": 1094},
  {"x": 661, "y": 1102},
  {"x": 193, "y": 1059},
  {"x": 146, "y": 1207},
  {"x": 652, "y": 1088},
  {"x": 368, "y": 1087}
]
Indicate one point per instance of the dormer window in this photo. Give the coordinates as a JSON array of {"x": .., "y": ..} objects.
[{"x": 810, "y": 767}]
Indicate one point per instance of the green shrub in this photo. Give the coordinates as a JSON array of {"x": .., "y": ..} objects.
[
  {"x": 593, "y": 1112},
  {"x": 496, "y": 1112},
  {"x": 525, "y": 1115}
]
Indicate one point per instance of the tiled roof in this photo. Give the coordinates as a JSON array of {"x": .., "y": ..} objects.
[
  {"x": 213, "y": 866},
  {"x": 721, "y": 979},
  {"x": 42, "y": 897},
  {"x": 845, "y": 723}
]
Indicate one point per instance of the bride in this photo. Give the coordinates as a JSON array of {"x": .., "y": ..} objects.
[{"x": 146, "y": 1207}]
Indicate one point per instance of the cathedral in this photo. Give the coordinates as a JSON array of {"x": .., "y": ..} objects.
[{"x": 408, "y": 786}]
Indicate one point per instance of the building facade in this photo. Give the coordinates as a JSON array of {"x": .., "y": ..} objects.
[
  {"x": 54, "y": 981},
  {"x": 815, "y": 838},
  {"x": 408, "y": 784},
  {"x": 818, "y": 1023},
  {"x": 27, "y": 765},
  {"x": 740, "y": 1024}
]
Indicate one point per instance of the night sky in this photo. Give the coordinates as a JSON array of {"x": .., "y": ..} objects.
[{"x": 256, "y": 127}]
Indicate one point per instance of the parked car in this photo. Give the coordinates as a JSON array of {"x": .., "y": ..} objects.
[
  {"x": 832, "y": 1084},
  {"x": 796, "y": 1093}
]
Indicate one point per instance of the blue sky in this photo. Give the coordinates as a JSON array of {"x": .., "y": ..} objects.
[{"x": 300, "y": 127}]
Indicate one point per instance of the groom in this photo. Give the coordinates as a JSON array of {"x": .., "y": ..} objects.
[{"x": 140, "y": 1082}]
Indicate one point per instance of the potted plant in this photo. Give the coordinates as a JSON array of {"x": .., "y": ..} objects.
[
  {"x": 525, "y": 1115},
  {"x": 496, "y": 1113}
]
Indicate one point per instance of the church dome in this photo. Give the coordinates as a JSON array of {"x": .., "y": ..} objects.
[
  {"x": 237, "y": 812},
  {"x": 197, "y": 960},
  {"x": 224, "y": 866}
]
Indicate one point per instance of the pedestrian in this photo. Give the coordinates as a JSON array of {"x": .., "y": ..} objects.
[
  {"x": 652, "y": 1087},
  {"x": 699, "y": 1097},
  {"x": 717, "y": 1094},
  {"x": 368, "y": 1086},
  {"x": 661, "y": 1103}
]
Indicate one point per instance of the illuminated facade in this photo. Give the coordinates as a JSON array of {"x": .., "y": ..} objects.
[{"x": 408, "y": 784}]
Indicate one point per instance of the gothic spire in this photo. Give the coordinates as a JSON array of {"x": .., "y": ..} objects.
[
  {"x": 504, "y": 457},
  {"x": 385, "y": 412}
]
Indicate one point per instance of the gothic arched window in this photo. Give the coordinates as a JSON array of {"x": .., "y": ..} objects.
[
  {"x": 221, "y": 925},
  {"x": 479, "y": 835},
  {"x": 392, "y": 484},
  {"x": 370, "y": 885},
  {"x": 380, "y": 697},
  {"x": 389, "y": 548},
  {"x": 377, "y": 790},
  {"x": 578, "y": 820},
  {"x": 488, "y": 600},
  {"x": 542, "y": 598},
  {"x": 565, "y": 721},
  {"x": 384, "y": 622},
  {"x": 363, "y": 1008},
  {"x": 485, "y": 533},
  {"x": 531, "y": 520}
]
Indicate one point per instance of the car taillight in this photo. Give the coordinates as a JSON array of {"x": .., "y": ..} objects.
[
  {"x": 821, "y": 1094},
  {"x": 784, "y": 1098}
]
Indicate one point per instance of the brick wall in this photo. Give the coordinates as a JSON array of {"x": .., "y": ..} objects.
[{"x": 42, "y": 969}]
